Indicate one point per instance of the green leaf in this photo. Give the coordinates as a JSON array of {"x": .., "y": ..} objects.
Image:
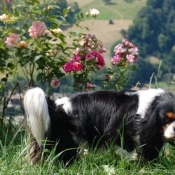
[
  {"x": 65, "y": 11},
  {"x": 4, "y": 79},
  {"x": 40, "y": 76},
  {"x": 38, "y": 57},
  {"x": 10, "y": 65}
]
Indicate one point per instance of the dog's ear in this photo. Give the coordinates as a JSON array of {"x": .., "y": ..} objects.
[{"x": 151, "y": 139}]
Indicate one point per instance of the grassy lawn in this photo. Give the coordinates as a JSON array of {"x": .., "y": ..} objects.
[
  {"x": 102, "y": 162},
  {"x": 117, "y": 10}
]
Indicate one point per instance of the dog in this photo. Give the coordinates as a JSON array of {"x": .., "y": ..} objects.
[{"x": 134, "y": 120}]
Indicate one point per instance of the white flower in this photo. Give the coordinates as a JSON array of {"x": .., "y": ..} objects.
[
  {"x": 4, "y": 17},
  {"x": 86, "y": 152},
  {"x": 94, "y": 12},
  {"x": 135, "y": 156},
  {"x": 82, "y": 42},
  {"x": 51, "y": 53},
  {"x": 109, "y": 169},
  {"x": 56, "y": 31},
  {"x": 22, "y": 44}
]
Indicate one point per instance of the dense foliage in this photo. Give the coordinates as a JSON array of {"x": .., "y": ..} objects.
[
  {"x": 154, "y": 27},
  {"x": 153, "y": 30}
]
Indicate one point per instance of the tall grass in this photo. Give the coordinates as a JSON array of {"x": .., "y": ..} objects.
[{"x": 95, "y": 162}]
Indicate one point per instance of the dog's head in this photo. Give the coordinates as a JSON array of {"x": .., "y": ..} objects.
[
  {"x": 161, "y": 116},
  {"x": 158, "y": 125},
  {"x": 165, "y": 115}
]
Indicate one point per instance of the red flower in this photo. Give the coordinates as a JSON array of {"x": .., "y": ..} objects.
[
  {"x": 68, "y": 67},
  {"x": 77, "y": 66}
]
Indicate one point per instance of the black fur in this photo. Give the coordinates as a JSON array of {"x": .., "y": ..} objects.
[{"x": 98, "y": 118}]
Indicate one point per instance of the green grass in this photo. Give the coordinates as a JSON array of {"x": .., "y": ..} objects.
[
  {"x": 118, "y": 10},
  {"x": 101, "y": 162}
]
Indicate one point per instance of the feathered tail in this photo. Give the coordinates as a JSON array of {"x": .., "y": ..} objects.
[{"x": 36, "y": 109}]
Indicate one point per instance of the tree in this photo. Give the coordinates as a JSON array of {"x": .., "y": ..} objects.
[
  {"x": 144, "y": 71},
  {"x": 153, "y": 30}
]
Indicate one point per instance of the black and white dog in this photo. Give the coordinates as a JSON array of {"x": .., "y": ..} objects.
[{"x": 145, "y": 119}]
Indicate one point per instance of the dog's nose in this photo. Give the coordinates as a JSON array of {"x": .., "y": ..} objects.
[{"x": 174, "y": 130}]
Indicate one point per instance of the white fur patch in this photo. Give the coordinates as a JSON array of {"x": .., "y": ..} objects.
[
  {"x": 131, "y": 93},
  {"x": 65, "y": 101},
  {"x": 145, "y": 98},
  {"x": 169, "y": 132}
]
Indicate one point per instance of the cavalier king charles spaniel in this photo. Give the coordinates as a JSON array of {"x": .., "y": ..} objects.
[{"x": 145, "y": 119}]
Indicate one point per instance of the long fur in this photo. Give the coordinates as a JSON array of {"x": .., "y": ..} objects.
[
  {"x": 100, "y": 118},
  {"x": 37, "y": 114}
]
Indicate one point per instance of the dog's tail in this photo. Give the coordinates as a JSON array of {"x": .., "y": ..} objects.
[{"x": 36, "y": 110}]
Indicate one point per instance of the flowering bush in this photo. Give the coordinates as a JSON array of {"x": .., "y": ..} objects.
[
  {"x": 126, "y": 54},
  {"x": 87, "y": 58},
  {"x": 41, "y": 52},
  {"x": 28, "y": 45}
]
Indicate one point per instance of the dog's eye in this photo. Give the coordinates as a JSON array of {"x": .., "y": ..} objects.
[{"x": 166, "y": 120}]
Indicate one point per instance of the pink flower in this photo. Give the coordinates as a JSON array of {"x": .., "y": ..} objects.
[
  {"x": 12, "y": 40},
  {"x": 76, "y": 58},
  {"x": 126, "y": 52},
  {"x": 77, "y": 66},
  {"x": 98, "y": 67},
  {"x": 55, "y": 83},
  {"x": 90, "y": 86},
  {"x": 94, "y": 53},
  {"x": 130, "y": 58},
  {"x": 120, "y": 48},
  {"x": 133, "y": 51},
  {"x": 37, "y": 29},
  {"x": 102, "y": 50},
  {"x": 68, "y": 67},
  {"x": 100, "y": 62},
  {"x": 127, "y": 43},
  {"x": 115, "y": 59},
  {"x": 78, "y": 51},
  {"x": 89, "y": 56}
]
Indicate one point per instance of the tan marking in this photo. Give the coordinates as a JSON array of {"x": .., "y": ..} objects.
[{"x": 170, "y": 115}]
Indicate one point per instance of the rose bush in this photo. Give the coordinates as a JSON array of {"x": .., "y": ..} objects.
[
  {"x": 87, "y": 58},
  {"x": 126, "y": 54},
  {"x": 41, "y": 53}
]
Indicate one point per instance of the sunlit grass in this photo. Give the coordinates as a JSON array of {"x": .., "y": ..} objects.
[
  {"x": 117, "y": 10},
  {"x": 95, "y": 162}
]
